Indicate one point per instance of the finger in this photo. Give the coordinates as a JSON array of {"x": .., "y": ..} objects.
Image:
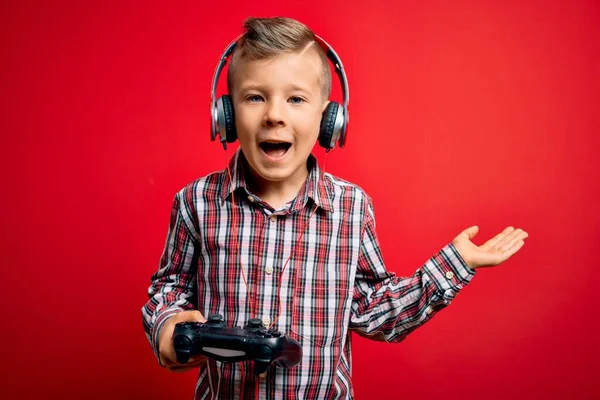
[
  {"x": 510, "y": 251},
  {"x": 192, "y": 362},
  {"x": 181, "y": 368},
  {"x": 190, "y": 315},
  {"x": 496, "y": 239},
  {"x": 174, "y": 366},
  {"x": 470, "y": 232},
  {"x": 167, "y": 362},
  {"x": 522, "y": 235},
  {"x": 197, "y": 359},
  {"x": 198, "y": 316},
  {"x": 168, "y": 358},
  {"x": 510, "y": 239}
]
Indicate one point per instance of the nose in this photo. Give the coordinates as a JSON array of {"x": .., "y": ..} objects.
[{"x": 275, "y": 114}]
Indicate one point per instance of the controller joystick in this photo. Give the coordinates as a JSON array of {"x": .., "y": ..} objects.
[
  {"x": 254, "y": 323},
  {"x": 215, "y": 320}
]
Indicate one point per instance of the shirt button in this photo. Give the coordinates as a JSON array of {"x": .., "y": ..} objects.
[
  {"x": 266, "y": 321},
  {"x": 251, "y": 199},
  {"x": 269, "y": 270},
  {"x": 429, "y": 310},
  {"x": 263, "y": 375},
  {"x": 449, "y": 274}
]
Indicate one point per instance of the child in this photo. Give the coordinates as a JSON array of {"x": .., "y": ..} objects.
[{"x": 272, "y": 237}]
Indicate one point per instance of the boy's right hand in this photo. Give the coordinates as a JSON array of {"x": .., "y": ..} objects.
[{"x": 165, "y": 342}]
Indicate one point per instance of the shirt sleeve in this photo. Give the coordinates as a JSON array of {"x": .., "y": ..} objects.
[
  {"x": 173, "y": 285},
  {"x": 386, "y": 307}
]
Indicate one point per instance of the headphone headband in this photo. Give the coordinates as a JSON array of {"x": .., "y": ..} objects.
[{"x": 331, "y": 55}]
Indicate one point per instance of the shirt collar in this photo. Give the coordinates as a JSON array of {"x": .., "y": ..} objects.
[{"x": 315, "y": 188}]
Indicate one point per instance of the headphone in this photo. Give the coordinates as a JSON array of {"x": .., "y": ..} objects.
[{"x": 334, "y": 121}]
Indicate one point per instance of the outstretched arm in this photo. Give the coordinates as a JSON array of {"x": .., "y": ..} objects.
[{"x": 388, "y": 307}]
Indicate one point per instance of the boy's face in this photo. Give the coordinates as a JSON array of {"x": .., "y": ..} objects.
[{"x": 278, "y": 106}]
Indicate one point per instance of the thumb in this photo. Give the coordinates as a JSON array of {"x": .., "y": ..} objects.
[
  {"x": 198, "y": 316},
  {"x": 471, "y": 232},
  {"x": 191, "y": 315}
]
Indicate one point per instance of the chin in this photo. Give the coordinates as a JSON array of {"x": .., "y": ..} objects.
[{"x": 274, "y": 174}]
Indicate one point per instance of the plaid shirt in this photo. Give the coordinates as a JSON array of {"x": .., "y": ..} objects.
[{"x": 335, "y": 282}]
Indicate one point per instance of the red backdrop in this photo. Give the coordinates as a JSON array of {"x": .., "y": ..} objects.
[{"x": 462, "y": 113}]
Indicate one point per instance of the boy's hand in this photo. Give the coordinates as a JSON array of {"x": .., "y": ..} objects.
[
  {"x": 493, "y": 252},
  {"x": 165, "y": 342}
]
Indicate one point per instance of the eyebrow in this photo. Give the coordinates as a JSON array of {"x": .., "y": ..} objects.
[
  {"x": 300, "y": 88},
  {"x": 250, "y": 87},
  {"x": 293, "y": 87}
]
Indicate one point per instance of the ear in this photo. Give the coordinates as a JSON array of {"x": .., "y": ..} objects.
[{"x": 325, "y": 104}]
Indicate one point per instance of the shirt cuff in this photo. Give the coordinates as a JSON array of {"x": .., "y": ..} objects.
[
  {"x": 449, "y": 272},
  {"x": 162, "y": 318}
]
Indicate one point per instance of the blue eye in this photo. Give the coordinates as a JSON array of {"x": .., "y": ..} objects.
[
  {"x": 254, "y": 98},
  {"x": 296, "y": 100}
]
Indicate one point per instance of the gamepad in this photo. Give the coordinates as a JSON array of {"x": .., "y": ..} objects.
[{"x": 253, "y": 342}]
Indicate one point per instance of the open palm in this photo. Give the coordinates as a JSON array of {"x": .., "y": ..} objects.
[{"x": 493, "y": 252}]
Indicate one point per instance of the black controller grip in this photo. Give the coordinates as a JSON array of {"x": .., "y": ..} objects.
[{"x": 215, "y": 340}]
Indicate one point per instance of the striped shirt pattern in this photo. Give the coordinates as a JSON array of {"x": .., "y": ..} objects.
[{"x": 334, "y": 283}]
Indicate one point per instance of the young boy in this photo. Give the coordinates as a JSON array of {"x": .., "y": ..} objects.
[{"x": 274, "y": 238}]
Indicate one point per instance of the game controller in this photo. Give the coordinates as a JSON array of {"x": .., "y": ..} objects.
[{"x": 254, "y": 342}]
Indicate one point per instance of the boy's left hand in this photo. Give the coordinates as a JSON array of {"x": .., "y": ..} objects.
[{"x": 493, "y": 252}]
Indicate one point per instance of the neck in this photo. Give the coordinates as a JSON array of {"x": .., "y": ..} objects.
[{"x": 277, "y": 193}]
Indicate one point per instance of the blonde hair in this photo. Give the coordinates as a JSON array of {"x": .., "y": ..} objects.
[{"x": 267, "y": 37}]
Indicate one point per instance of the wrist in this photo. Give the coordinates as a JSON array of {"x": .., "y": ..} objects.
[{"x": 464, "y": 255}]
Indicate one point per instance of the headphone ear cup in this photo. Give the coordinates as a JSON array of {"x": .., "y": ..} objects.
[
  {"x": 328, "y": 124},
  {"x": 229, "y": 116}
]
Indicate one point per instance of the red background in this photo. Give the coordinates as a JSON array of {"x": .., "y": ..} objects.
[{"x": 462, "y": 113}]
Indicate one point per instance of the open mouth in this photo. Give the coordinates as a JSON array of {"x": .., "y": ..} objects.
[{"x": 275, "y": 149}]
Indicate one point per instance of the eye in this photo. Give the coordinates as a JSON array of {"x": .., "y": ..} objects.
[
  {"x": 296, "y": 100},
  {"x": 254, "y": 98}
]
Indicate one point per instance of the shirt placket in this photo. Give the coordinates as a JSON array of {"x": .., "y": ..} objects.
[{"x": 267, "y": 271}]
